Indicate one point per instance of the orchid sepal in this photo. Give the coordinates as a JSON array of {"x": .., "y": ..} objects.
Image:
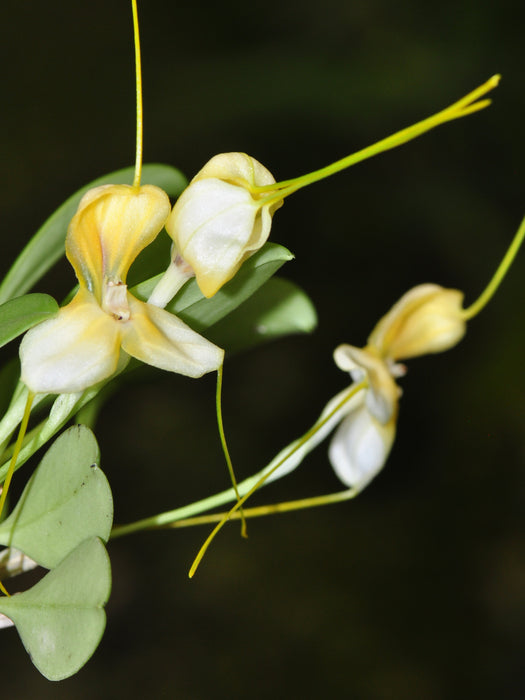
[{"x": 218, "y": 221}]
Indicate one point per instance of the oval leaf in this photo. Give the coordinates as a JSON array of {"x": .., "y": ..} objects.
[
  {"x": 67, "y": 500},
  {"x": 22, "y": 313},
  {"x": 277, "y": 309},
  {"x": 47, "y": 245},
  {"x": 201, "y": 313},
  {"x": 61, "y": 619}
]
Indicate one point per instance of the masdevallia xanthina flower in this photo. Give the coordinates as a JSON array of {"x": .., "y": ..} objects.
[
  {"x": 225, "y": 213},
  {"x": 82, "y": 344},
  {"x": 217, "y": 222},
  {"x": 427, "y": 319}
]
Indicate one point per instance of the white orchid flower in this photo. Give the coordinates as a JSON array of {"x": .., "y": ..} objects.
[
  {"x": 427, "y": 319},
  {"x": 220, "y": 220},
  {"x": 81, "y": 346}
]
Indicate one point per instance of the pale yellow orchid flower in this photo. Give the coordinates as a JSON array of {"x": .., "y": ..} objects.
[
  {"x": 81, "y": 346},
  {"x": 225, "y": 213},
  {"x": 427, "y": 319},
  {"x": 217, "y": 223}
]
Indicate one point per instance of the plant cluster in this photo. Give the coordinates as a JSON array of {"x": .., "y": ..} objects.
[{"x": 216, "y": 291}]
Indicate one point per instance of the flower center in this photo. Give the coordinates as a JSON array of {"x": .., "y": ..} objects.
[{"x": 115, "y": 300}]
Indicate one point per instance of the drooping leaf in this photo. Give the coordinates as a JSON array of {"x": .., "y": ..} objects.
[
  {"x": 201, "y": 313},
  {"x": 22, "y": 313},
  {"x": 277, "y": 309},
  {"x": 61, "y": 619},
  {"x": 67, "y": 500},
  {"x": 46, "y": 247}
]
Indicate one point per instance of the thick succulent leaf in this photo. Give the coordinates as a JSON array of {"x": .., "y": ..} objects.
[
  {"x": 201, "y": 313},
  {"x": 277, "y": 309},
  {"x": 61, "y": 619},
  {"x": 47, "y": 245},
  {"x": 67, "y": 500},
  {"x": 20, "y": 314}
]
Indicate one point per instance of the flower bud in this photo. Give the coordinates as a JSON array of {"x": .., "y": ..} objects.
[
  {"x": 427, "y": 319},
  {"x": 219, "y": 220}
]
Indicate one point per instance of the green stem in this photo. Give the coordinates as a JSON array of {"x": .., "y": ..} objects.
[
  {"x": 16, "y": 451},
  {"x": 499, "y": 275},
  {"x": 226, "y": 452}
]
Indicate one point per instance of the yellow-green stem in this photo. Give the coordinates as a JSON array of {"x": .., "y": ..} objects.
[
  {"x": 463, "y": 107},
  {"x": 270, "y": 509},
  {"x": 16, "y": 451},
  {"x": 498, "y": 277},
  {"x": 355, "y": 389},
  {"x": 220, "y": 426},
  {"x": 138, "y": 85}
]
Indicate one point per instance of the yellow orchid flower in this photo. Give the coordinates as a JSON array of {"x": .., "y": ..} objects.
[
  {"x": 82, "y": 344},
  {"x": 427, "y": 319}
]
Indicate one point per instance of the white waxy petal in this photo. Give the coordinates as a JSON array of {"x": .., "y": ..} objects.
[
  {"x": 215, "y": 226},
  {"x": 365, "y": 363},
  {"x": 221, "y": 219},
  {"x": 162, "y": 340},
  {"x": 72, "y": 351},
  {"x": 360, "y": 447}
]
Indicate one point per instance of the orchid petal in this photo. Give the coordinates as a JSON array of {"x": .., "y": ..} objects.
[
  {"x": 383, "y": 393},
  {"x": 113, "y": 224},
  {"x": 219, "y": 221},
  {"x": 235, "y": 167},
  {"x": 160, "y": 339},
  {"x": 360, "y": 447},
  {"x": 76, "y": 349},
  {"x": 427, "y": 319},
  {"x": 214, "y": 226}
]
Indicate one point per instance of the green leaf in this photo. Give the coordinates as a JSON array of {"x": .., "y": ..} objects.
[
  {"x": 67, "y": 500},
  {"x": 47, "y": 245},
  {"x": 61, "y": 619},
  {"x": 201, "y": 313},
  {"x": 20, "y": 314},
  {"x": 277, "y": 309}
]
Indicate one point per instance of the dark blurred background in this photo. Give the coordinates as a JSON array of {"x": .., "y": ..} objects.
[{"x": 416, "y": 590}]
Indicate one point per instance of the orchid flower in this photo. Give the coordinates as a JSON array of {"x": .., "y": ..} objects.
[
  {"x": 427, "y": 319},
  {"x": 81, "y": 346},
  {"x": 225, "y": 214},
  {"x": 217, "y": 223}
]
